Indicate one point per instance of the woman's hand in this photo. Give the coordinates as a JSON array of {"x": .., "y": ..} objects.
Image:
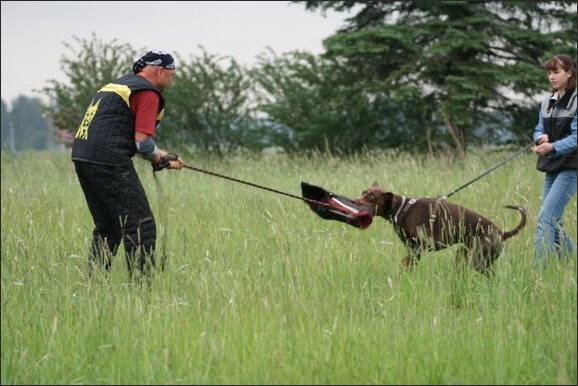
[{"x": 542, "y": 146}]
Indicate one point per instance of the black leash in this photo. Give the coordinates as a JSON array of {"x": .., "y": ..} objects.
[
  {"x": 488, "y": 171},
  {"x": 257, "y": 186}
]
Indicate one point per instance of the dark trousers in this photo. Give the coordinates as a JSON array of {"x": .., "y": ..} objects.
[{"x": 121, "y": 212}]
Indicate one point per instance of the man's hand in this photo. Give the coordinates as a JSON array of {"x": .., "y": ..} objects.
[{"x": 168, "y": 161}]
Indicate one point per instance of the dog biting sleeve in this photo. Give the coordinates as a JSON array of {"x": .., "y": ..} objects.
[{"x": 330, "y": 206}]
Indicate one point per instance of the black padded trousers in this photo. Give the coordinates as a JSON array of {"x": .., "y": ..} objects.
[{"x": 121, "y": 212}]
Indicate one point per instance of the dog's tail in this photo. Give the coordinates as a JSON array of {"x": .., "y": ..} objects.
[{"x": 518, "y": 228}]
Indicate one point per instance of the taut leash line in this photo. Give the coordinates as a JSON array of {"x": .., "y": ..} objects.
[
  {"x": 257, "y": 186},
  {"x": 488, "y": 171}
]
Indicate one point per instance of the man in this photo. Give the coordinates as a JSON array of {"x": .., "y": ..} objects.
[{"x": 120, "y": 122}]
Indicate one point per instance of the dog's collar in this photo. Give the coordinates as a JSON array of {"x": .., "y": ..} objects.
[
  {"x": 403, "y": 208},
  {"x": 399, "y": 209}
]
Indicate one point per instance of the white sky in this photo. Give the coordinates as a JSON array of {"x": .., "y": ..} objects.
[{"x": 33, "y": 32}]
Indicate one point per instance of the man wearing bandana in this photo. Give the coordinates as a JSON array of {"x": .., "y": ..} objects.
[{"x": 119, "y": 122}]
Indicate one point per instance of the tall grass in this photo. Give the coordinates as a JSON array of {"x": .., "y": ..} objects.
[{"x": 259, "y": 290}]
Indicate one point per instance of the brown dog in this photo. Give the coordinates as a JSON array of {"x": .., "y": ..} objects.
[{"x": 431, "y": 224}]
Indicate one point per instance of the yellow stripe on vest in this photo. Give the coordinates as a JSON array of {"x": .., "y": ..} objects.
[{"x": 119, "y": 89}]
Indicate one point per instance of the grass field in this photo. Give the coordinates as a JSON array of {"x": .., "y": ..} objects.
[{"x": 259, "y": 290}]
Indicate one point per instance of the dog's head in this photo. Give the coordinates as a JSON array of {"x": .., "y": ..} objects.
[{"x": 378, "y": 198}]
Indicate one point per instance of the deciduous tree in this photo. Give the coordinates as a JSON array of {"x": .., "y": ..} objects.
[{"x": 477, "y": 64}]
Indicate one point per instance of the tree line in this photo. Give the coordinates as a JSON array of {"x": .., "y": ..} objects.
[
  {"x": 26, "y": 127},
  {"x": 409, "y": 75}
]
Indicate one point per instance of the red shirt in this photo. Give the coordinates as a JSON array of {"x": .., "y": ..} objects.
[{"x": 144, "y": 105}]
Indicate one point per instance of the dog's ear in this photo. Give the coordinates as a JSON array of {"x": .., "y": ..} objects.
[
  {"x": 387, "y": 201},
  {"x": 388, "y": 197},
  {"x": 375, "y": 184}
]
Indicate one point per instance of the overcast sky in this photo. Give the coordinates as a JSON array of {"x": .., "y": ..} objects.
[{"x": 33, "y": 32}]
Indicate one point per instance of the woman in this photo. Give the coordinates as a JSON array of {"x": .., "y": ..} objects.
[{"x": 555, "y": 145}]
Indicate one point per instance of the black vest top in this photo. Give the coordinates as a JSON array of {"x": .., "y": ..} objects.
[
  {"x": 557, "y": 119},
  {"x": 106, "y": 133}
]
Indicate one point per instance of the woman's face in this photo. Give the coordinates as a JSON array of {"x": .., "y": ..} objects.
[{"x": 558, "y": 78}]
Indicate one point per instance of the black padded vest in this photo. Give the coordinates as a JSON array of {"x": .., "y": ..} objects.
[{"x": 106, "y": 133}]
